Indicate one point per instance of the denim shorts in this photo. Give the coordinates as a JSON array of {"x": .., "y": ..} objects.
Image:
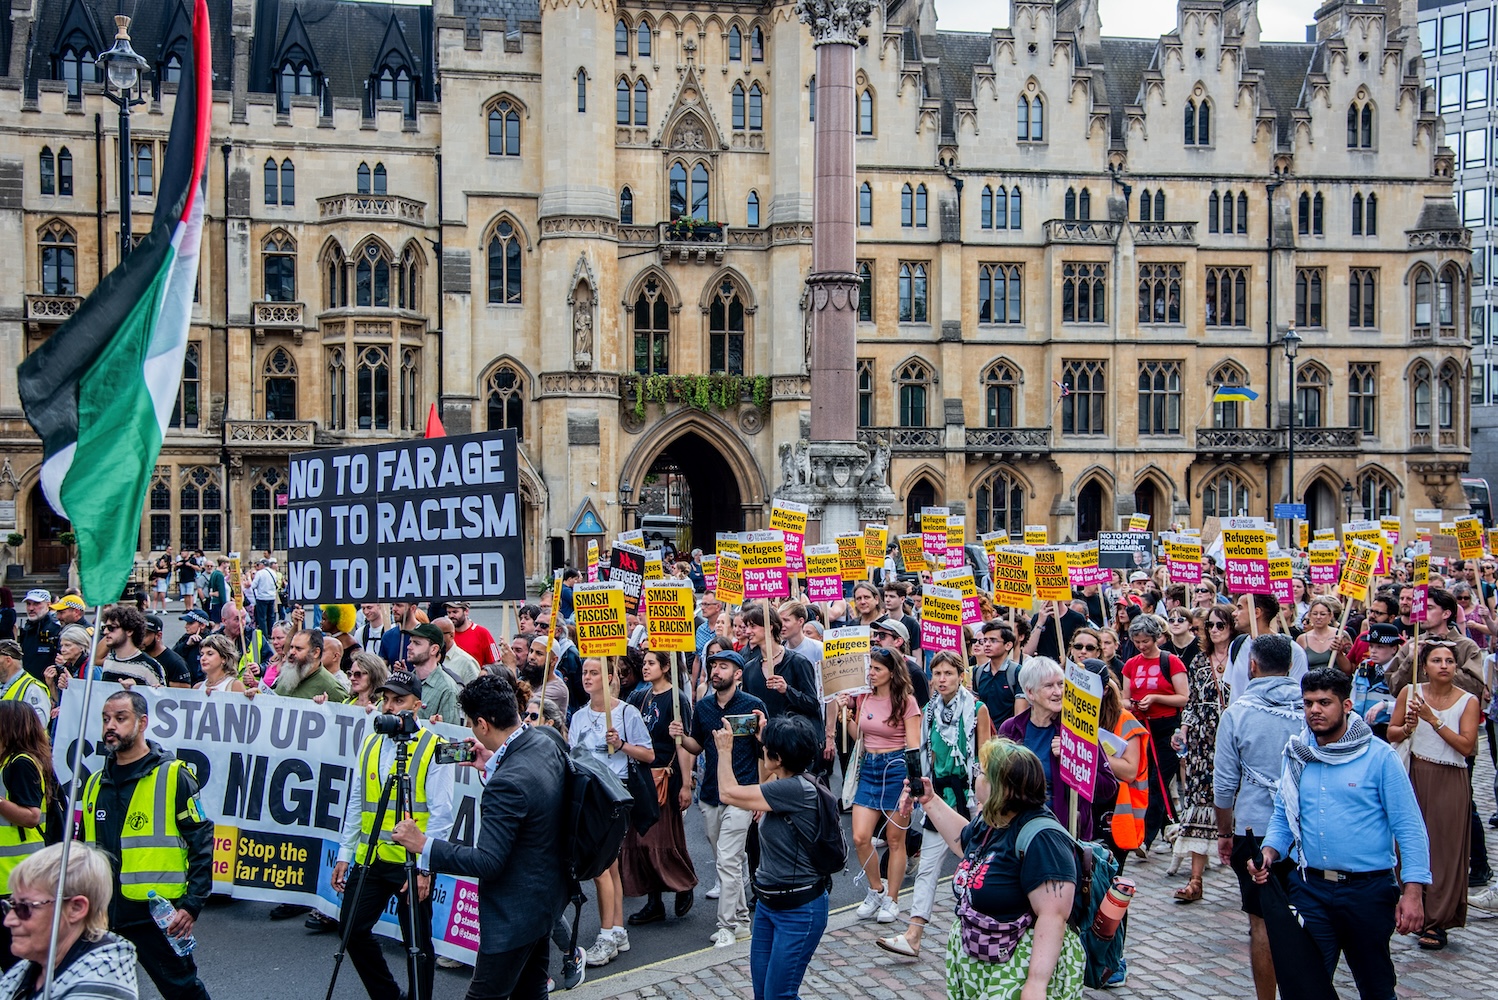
[{"x": 881, "y": 780}]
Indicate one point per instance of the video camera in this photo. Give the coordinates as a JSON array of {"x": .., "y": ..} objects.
[{"x": 400, "y": 726}]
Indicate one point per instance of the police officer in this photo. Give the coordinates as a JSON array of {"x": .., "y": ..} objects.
[
  {"x": 39, "y": 634},
  {"x": 17, "y": 685},
  {"x": 143, "y": 809},
  {"x": 431, "y": 809}
]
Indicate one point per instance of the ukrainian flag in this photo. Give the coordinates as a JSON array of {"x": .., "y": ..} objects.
[{"x": 1234, "y": 394}]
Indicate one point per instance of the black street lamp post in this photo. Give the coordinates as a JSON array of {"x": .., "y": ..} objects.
[
  {"x": 122, "y": 69},
  {"x": 1291, "y": 343}
]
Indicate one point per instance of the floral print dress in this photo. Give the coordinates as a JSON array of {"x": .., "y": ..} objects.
[{"x": 1209, "y": 697}]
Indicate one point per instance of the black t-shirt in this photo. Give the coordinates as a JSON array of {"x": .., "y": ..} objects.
[
  {"x": 175, "y": 667},
  {"x": 23, "y": 783},
  {"x": 1000, "y": 881},
  {"x": 996, "y": 692},
  {"x": 1046, "y": 645}
]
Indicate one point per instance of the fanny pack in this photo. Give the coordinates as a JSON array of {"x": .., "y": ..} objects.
[{"x": 789, "y": 899}]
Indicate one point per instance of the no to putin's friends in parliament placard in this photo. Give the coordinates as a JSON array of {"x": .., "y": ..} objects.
[{"x": 430, "y": 519}]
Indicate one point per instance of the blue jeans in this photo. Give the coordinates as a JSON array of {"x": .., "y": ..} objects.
[{"x": 782, "y": 946}]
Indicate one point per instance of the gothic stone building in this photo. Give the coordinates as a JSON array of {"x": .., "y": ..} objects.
[{"x": 531, "y": 213}]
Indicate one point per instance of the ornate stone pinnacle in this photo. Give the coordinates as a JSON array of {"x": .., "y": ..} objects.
[{"x": 835, "y": 22}]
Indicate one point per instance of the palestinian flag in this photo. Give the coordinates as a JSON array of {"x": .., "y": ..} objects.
[{"x": 100, "y": 391}]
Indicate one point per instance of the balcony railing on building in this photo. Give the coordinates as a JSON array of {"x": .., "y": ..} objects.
[
  {"x": 270, "y": 435},
  {"x": 1081, "y": 231},
  {"x": 279, "y": 316},
  {"x": 1008, "y": 443},
  {"x": 51, "y": 308},
  {"x": 371, "y": 206},
  {"x": 1275, "y": 440},
  {"x": 904, "y": 439}
]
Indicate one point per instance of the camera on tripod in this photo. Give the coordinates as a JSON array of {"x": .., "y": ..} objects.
[{"x": 400, "y": 726}]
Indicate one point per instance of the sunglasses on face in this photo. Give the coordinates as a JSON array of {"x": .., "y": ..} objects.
[
  {"x": 532, "y": 716},
  {"x": 357, "y": 673},
  {"x": 1177, "y": 621},
  {"x": 1203, "y": 590},
  {"x": 1084, "y": 647},
  {"x": 1214, "y": 626},
  {"x": 23, "y": 908}
]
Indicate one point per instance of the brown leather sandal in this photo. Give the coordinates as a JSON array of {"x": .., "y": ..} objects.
[{"x": 1190, "y": 892}]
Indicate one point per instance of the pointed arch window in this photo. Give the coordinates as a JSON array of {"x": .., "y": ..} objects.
[
  {"x": 1000, "y": 394},
  {"x": 1159, "y": 206},
  {"x": 58, "y": 247},
  {"x": 47, "y": 171},
  {"x": 185, "y": 407},
  {"x": 504, "y": 400},
  {"x": 410, "y": 390},
  {"x": 865, "y": 204},
  {"x": 294, "y": 80},
  {"x": 1198, "y": 123},
  {"x": 866, "y": 112},
  {"x": 735, "y": 44},
  {"x": 1000, "y": 504},
  {"x": 278, "y": 254},
  {"x": 1227, "y": 413},
  {"x": 1362, "y": 398},
  {"x": 999, "y": 293},
  {"x": 865, "y": 292},
  {"x": 200, "y": 502},
  {"x": 642, "y": 40},
  {"x": 582, "y": 91},
  {"x": 626, "y": 206},
  {"x": 1446, "y": 397},
  {"x": 1357, "y": 214},
  {"x": 1159, "y": 397},
  {"x": 337, "y": 390},
  {"x": 1214, "y": 206},
  {"x": 1310, "y": 283},
  {"x": 920, "y": 206},
  {"x": 751, "y": 210},
  {"x": 267, "y": 520},
  {"x": 1069, "y": 205},
  {"x": 372, "y": 277},
  {"x": 726, "y": 331},
  {"x": 143, "y": 172},
  {"x": 621, "y": 38},
  {"x": 985, "y": 208},
  {"x": 756, "y": 108},
  {"x": 504, "y": 129},
  {"x": 642, "y": 102},
  {"x": 680, "y": 191},
  {"x": 756, "y": 45},
  {"x": 1227, "y": 212},
  {"x": 504, "y": 264},
  {"x": 865, "y": 392},
  {"x": 1029, "y": 115},
  {"x": 1225, "y": 495},
  {"x": 1318, "y": 214},
  {"x": 337, "y": 278},
  {"x": 1303, "y": 214},
  {"x": 914, "y": 385},
  {"x": 161, "y": 523},
  {"x": 1376, "y": 492},
  {"x": 912, "y": 292},
  {"x": 1422, "y": 299},
  {"x": 907, "y": 206},
  {"x": 1360, "y": 125},
  {"x": 380, "y": 179},
  {"x": 1226, "y": 299},
  {"x": 372, "y": 391},
  {"x": 1446, "y": 287},
  {"x": 171, "y": 69},
  {"x": 394, "y": 84},
  {"x": 408, "y": 279},
  {"x": 739, "y": 112},
  {"x": 652, "y": 330},
  {"x": 77, "y": 67},
  {"x": 621, "y": 102},
  {"x": 1310, "y": 396},
  {"x": 64, "y": 173},
  {"x": 1362, "y": 297},
  {"x": 812, "y": 90},
  {"x": 1370, "y": 215},
  {"x": 363, "y": 179},
  {"x": 1160, "y": 293},
  {"x": 1084, "y": 397},
  {"x": 279, "y": 384},
  {"x": 1420, "y": 393}
]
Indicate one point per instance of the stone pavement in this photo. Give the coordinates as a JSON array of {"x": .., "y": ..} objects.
[{"x": 1187, "y": 952}]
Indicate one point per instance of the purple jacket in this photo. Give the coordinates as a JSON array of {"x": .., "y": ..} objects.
[{"x": 1105, "y": 789}]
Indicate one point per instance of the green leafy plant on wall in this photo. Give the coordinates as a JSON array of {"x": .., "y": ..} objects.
[{"x": 701, "y": 392}]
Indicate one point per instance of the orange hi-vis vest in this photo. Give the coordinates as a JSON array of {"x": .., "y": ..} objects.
[{"x": 1133, "y": 796}]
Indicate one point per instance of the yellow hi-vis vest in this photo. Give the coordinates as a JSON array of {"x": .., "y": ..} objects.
[
  {"x": 422, "y": 752},
  {"x": 153, "y": 855},
  {"x": 24, "y": 683},
  {"x": 19, "y": 842}
]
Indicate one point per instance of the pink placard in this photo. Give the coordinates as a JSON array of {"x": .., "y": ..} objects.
[
  {"x": 934, "y": 544},
  {"x": 1326, "y": 576},
  {"x": 1419, "y": 603},
  {"x": 710, "y": 581},
  {"x": 937, "y": 636},
  {"x": 1248, "y": 576},
  {"x": 795, "y": 553},
  {"x": 1283, "y": 591},
  {"x": 956, "y": 558},
  {"x": 821, "y": 589},
  {"x": 463, "y": 919},
  {"x": 772, "y": 582},
  {"x": 1184, "y": 572},
  {"x": 1079, "y": 764}
]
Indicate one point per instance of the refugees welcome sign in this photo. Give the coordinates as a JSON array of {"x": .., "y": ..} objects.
[{"x": 431, "y": 519}]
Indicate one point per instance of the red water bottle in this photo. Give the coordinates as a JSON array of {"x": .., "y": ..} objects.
[{"x": 1111, "y": 910}]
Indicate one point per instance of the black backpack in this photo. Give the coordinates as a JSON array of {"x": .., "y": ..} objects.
[
  {"x": 828, "y": 853},
  {"x": 597, "y": 815}
]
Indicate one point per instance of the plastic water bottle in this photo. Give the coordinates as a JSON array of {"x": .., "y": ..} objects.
[
  {"x": 162, "y": 912},
  {"x": 1111, "y": 910},
  {"x": 1360, "y": 689}
]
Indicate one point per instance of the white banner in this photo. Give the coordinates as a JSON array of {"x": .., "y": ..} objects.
[{"x": 275, "y": 781}]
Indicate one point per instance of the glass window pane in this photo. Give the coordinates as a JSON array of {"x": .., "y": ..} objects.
[{"x": 1477, "y": 88}]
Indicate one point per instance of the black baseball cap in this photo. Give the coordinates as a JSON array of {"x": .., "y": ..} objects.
[
  {"x": 401, "y": 683},
  {"x": 155, "y": 624}
]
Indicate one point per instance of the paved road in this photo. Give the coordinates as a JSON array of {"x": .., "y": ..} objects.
[{"x": 1190, "y": 952}]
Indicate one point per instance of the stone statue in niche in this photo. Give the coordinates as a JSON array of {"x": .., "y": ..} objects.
[
  {"x": 879, "y": 457},
  {"x": 582, "y": 328}
]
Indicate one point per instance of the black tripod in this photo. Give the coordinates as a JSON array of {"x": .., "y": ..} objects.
[{"x": 398, "y": 782}]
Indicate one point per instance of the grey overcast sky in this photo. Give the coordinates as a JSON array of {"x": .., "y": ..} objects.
[{"x": 1281, "y": 20}]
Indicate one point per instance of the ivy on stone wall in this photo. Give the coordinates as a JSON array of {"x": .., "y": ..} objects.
[{"x": 701, "y": 392}]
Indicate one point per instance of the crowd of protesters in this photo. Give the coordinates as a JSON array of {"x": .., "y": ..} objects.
[{"x": 1219, "y": 707}]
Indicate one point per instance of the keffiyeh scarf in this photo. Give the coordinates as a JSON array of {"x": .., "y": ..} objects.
[{"x": 1303, "y": 749}]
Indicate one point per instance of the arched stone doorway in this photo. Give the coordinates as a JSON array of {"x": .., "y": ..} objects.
[
  {"x": 48, "y": 554},
  {"x": 694, "y": 467},
  {"x": 1147, "y": 501},
  {"x": 1322, "y": 506},
  {"x": 1090, "y": 507},
  {"x": 922, "y": 494}
]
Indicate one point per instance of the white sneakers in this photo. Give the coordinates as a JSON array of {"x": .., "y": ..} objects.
[
  {"x": 879, "y": 906},
  {"x": 1484, "y": 899},
  {"x": 608, "y": 947},
  {"x": 714, "y": 892},
  {"x": 726, "y": 938}
]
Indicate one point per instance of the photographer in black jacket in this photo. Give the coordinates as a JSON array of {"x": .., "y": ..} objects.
[{"x": 522, "y": 875}]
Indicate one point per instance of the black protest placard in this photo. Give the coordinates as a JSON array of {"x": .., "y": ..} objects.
[
  {"x": 627, "y": 567},
  {"x": 1127, "y": 550},
  {"x": 430, "y": 519}
]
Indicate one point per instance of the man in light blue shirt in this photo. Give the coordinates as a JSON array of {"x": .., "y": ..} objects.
[{"x": 1343, "y": 804}]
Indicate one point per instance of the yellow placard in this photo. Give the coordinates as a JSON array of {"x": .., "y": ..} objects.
[
  {"x": 1139, "y": 522},
  {"x": 875, "y": 538},
  {"x": 849, "y": 641},
  {"x": 1014, "y": 577},
  {"x": 1052, "y": 580},
  {"x": 654, "y": 568},
  {"x": 1448, "y": 528},
  {"x": 1302, "y": 534},
  {"x": 912, "y": 553},
  {"x": 730, "y": 588},
  {"x": 1357, "y": 572},
  {"x": 1420, "y": 570},
  {"x": 670, "y": 610},
  {"x": 1390, "y": 526},
  {"x": 1325, "y": 534},
  {"x": 1493, "y": 541},
  {"x": 822, "y": 563},
  {"x": 598, "y": 610},
  {"x": 787, "y": 515},
  {"x": 850, "y": 557},
  {"x": 1469, "y": 537},
  {"x": 1322, "y": 554},
  {"x": 1280, "y": 568},
  {"x": 956, "y": 531},
  {"x": 757, "y": 552},
  {"x": 1249, "y": 543},
  {"x": 1035, "y": 534}
]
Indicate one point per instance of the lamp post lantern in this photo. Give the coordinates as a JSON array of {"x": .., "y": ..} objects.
[
  {"x": 122, "y": 69},
  {"x": 1291, "y": 343},
  {"x": 1347, "y": 493},
  {"x": 625, "y": 493}
]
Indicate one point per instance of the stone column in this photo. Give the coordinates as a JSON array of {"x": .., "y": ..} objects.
[{"x": 839, "y": 484}]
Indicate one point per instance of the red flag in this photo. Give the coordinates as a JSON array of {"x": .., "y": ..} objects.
[{"x": 434, "y": 424}]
